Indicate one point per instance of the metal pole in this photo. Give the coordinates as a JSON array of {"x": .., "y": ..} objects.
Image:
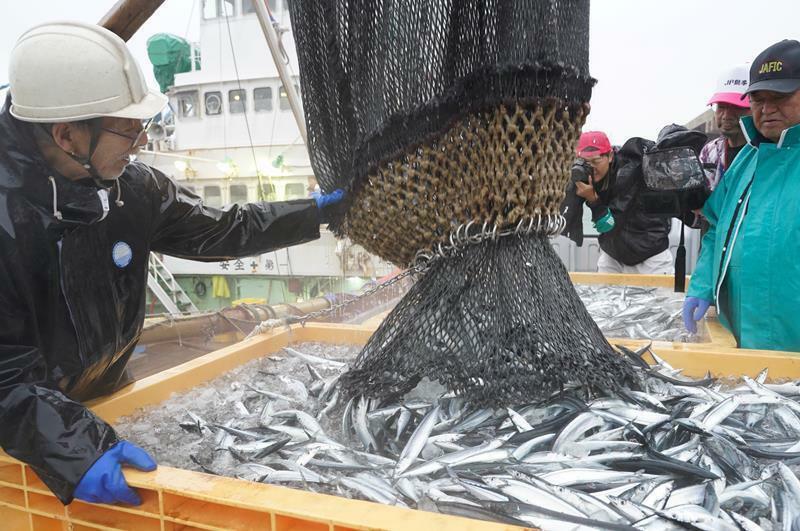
[
  {"x": 127, "y": 16},
  {"x": 283, "y": 72}
]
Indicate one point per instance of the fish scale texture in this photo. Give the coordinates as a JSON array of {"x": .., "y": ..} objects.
[{"x": 500, "y": 324}]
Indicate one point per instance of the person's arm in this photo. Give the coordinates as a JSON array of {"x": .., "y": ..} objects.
[
  {"x": 185, "y": 227},
  {"x": 701, "y": 285},
  {"x": 58, "y": 437},
  {"x": 603, "y": 218},
  {"x": 572, "y": 210},
  {"x": 607, "y": 214},
  {"x": 701, "y": 292}
]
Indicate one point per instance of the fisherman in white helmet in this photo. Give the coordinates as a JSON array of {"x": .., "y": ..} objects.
[{"x": 78, "y": 219}]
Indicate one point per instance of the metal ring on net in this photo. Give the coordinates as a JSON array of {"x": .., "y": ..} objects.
[
  {"x": 518, "y": 228},
  {"x": 556, "y": 225},
  {"x": 478, "y": 238},
  {"x": 530, "y": 226},
  {"x": 466, "y": 230},
  {"x": 459, "y": 241},
  {"x": 442, "y": 251},
  {"x": 550, "y": 225},
  {"x": 422, "y": 258}
]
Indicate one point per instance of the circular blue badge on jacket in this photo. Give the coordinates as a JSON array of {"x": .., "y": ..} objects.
[{"x": 122, "y": 254}]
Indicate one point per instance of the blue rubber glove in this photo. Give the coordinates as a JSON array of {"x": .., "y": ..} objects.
[
  {"x": 104, "y": 482},
  {"x": 332, "y": 198},
  {"x": 694, "y": 309}
]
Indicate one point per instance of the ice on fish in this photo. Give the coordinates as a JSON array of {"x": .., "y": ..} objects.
[
  {"x": 636, "y": 312},
  {"x": 678, "y": 453}
]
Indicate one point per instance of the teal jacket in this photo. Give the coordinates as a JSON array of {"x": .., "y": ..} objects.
[{"x": 749, "y": 265}]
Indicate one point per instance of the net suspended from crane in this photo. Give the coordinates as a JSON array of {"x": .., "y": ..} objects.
[{"x": 452, "y": 125}]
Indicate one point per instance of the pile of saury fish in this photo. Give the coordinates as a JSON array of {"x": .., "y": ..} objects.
[
  {"x": 635, "y": 312},
  {"x": 677, "y": 454}
]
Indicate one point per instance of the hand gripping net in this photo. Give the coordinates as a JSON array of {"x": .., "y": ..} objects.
[{"x": 452, "y": 124}]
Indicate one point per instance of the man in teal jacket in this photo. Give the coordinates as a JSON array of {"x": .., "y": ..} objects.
[{"x": 749, "y": 265}]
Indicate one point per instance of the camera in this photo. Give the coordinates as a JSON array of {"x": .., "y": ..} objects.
[
  {"x": 581, "y": 171},
  {"x": 674, "y": 178}
]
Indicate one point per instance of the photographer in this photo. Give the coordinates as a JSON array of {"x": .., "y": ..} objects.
[{"x": 609, "y": 181}]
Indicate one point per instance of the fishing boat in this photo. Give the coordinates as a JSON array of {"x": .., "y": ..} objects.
[{"x": 230, "y": 136}]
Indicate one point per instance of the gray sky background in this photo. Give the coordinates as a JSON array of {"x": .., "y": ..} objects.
[{"x": 656, "y": 61}]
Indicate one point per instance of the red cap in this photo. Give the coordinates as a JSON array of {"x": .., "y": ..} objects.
[{"x": 592, "y": 144}]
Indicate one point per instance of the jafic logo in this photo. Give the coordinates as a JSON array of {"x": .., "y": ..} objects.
[
  {"x": 122, "y": 254},
  {"x": 770, "y": 67}
]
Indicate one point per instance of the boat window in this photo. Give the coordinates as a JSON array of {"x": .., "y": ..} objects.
[
  {"x": 295, "y": 191},
  {"x": 268, "y": 191},
  {"x": 262, "y": 98},
  {"x": 218, "y": 8},
  {"x": 238, "y": 193},
  {"x": 187, "y": 104},
  {"x": 237, "y": 101},
  {"x": 248, "y": 6},
  {"x": 225, "y": 8},
  {"x": 213, "y": 196},
  {"x": 284, "y": 99},
  {"x": 209, "y": 9},
  {"x": 213, "y": 102}
]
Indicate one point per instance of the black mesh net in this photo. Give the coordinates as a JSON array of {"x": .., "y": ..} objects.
[
  {"x": 382, "y": 76},
  {"x": 441, "y": 115},
  {"x": 500, "y": 324}
]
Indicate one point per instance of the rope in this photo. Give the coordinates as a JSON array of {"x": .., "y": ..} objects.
[{"x": 239, "y": 83}]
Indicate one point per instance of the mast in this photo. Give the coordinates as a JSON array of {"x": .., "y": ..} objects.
[
  {"x": 274, "y": 47},
  {"x": 127, "y": 16}
]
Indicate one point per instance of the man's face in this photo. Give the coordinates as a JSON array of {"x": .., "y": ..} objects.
[
  {"x": 600, "y": 163},
  {"x": 775, "y": 111},
  {"x": 118, "y": 140},
  {"x": 727, "y": 118}
]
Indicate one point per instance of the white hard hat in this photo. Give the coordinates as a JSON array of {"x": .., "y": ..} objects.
[
  {"x": 731, "y": 87},
  {"x": 66, "y": 71}
]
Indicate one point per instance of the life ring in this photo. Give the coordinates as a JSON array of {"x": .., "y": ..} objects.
[{"x": 200, "y": 288}]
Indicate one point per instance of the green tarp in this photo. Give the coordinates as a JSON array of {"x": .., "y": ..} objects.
[{"x": 169, "y": 55}]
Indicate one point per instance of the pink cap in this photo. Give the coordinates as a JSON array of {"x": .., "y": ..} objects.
[
  {"x": 731, "y": 87},
  {"x": 592, "y": 144}
]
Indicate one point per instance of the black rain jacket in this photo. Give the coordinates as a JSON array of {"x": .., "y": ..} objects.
[
  {"x": 72, "y": 290},
  {"x": 636, "y": 235}
]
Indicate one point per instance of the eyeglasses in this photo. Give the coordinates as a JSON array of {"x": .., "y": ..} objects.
[
  {"x": 594, "y": 161},
  {"x": 135, "y": 140}
]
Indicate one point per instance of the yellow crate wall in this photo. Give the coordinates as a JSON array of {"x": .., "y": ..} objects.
[{"x": 175, "y": 499}]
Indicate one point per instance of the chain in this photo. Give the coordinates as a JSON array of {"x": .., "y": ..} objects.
[
  {"x": 464, "y": 236},
  {"x": 379, "y": 287},
  {"x": 269, "y": 324}
]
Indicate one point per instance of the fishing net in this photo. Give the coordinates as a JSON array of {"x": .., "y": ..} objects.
[{"x": 452, "y": 125}]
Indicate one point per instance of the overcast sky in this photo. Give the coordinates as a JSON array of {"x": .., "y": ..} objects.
[{"x": 656, "y": 61}]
